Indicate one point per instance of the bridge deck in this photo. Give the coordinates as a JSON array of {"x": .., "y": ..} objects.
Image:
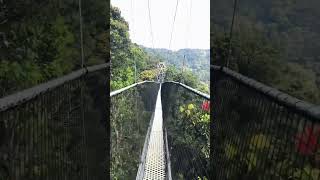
[{"x": 155, "y": 159}]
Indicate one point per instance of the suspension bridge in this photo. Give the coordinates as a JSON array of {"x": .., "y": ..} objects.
[
  {"x": 67, "y": 127},
  {"x": 60, "y": 130}
]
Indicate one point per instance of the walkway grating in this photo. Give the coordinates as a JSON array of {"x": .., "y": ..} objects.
[{"x": 155, "y": 160}]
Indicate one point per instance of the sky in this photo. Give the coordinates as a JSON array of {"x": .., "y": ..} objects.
[{"x": 197, "y": 36}]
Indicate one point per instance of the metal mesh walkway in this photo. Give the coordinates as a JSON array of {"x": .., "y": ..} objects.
[{"x": 155, "y": 160}]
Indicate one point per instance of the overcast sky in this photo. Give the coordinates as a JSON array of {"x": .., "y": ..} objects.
[{"x": 162, "y": 12}]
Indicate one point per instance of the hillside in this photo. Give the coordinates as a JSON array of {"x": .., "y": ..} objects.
[{"x": 196, "y": 60}]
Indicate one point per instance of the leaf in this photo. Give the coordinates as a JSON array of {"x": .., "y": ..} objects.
[
  {"x": 315, "y": 173},
  {"x": 181, "y": 109},
  {"x": 188, "y": 112},
  {"x": 251, "y": 161},
  {"x": 190, "y": 106},
  {"x": 36, "y": 170},
  {"x": 230, "y": 151},
  {"x": 260, "y": 141}
]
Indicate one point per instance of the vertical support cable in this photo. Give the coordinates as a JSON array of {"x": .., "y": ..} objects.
[
  {"x": 84, "y": 137},
  {"x": 82, "y": 95},
  {"x": 231, "y": 30},
  {"x": 183, "y": 68},
  {"x": 135, "y": 70},
  {"x": 81, "y": 34},
  {"x": 188, "y": 25},
  {"x": 132, "y": 33},
  {"x": 149, "y": 11},
  {"x": 174, "y": 20}
]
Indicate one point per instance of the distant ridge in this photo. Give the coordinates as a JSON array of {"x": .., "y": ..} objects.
[{"x": 197, "y": 60}]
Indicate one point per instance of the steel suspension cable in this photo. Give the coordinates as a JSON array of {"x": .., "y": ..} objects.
[
  {"x": 132, "y": 33},
  {"x": 151, "y": 32},
  {"x": 132, "y": 16},
  {"x": 188, "y": 24},
  {"x": 82, "y": 107},
  {"x": 135, "y": 72},
  {"x": 81, "y": 34},
  {"x": 174, "y": 20},
  {"x": 186, "y": 37},
  {"x": 231, "y": 31}
]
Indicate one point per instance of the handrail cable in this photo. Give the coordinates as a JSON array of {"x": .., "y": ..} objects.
[
  {"x": 23, "y": 96},
  {"x": 231, "y": 32},
  {"x": 116, "y": 92},
  {"x": 204, "y": 95},
  {"x": 303, "y": 107}
]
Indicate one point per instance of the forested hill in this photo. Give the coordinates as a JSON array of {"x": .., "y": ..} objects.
[{"x": 197, "y": 60}]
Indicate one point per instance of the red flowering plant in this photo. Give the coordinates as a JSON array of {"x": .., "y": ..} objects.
[
  {"x": 206, "y": 106},
  {"x": 307, "y": 140},
  {"x": 195, "y": 119},
  {"x": 307, "y": 148}
]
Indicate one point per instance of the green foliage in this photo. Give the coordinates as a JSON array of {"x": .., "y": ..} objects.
[
  {"x": 188, "y": 127},
  {"x": 125, "y": 54},
  {"x": 203, "y": 88},
  {"x": 299, "y": 82},
  {"x": 257, "y": 58},
  {"x": 197, "y": 60},
  {"x": 40, "y": 41},
  {"x": 186, "y": 77},
  {"x": 284, "y": 163},
  {"x": 125, "y": 77},
  {"x": 125, "y": 153},
  {"x": 230, "y": 151},
  {"x": 148, "y": 75},
  {"x": 268, "y": 37},
  {"x": 129, "y": 120}
]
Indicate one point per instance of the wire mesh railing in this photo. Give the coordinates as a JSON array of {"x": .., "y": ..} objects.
[
  {"x": 186, "y": 116},
  {"x": 56, "y": 130},
  {"x": 261, "y": 133},
  {"x": 131, "y": 111}
]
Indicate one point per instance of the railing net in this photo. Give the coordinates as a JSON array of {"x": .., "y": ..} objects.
[
  {"x": 131, "y": 112},
  {"x": 186, "y": 122},
  {"x": 58, "y": 134},
  {"x": 260, "y": 136}
]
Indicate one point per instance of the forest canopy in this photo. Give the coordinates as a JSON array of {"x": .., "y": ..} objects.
[
  {"x": 40, "y": 40},
  {"x": 275, "y": 42}
]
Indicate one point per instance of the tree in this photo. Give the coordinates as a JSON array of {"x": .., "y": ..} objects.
[
  {"x": 148, "y": 75},
  {"x": 125, "y": 55}
]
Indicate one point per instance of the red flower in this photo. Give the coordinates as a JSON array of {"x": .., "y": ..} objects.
[
  {"x": 307, "y": 141},
  {"x": 206, "y": 105}
]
